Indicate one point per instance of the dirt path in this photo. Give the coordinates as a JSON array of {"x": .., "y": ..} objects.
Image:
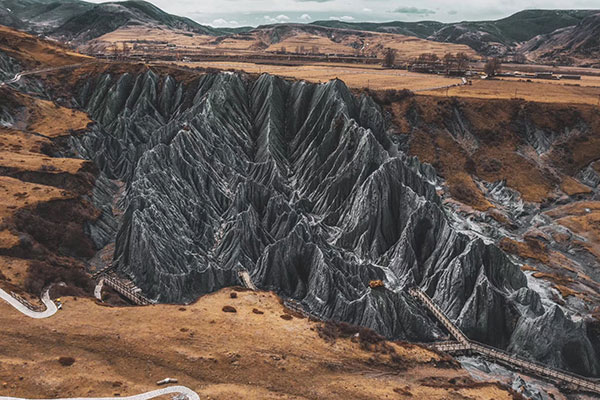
[
  {"x": 50, "y": 306},
  {"x": 187, "y": 392},
  {"x": 21, "y": 74}
]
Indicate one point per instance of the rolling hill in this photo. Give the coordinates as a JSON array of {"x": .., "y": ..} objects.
[
  {"x": 547, "y": 33},
  {"x": 487, "y": 37},
  {"x": 81, "y": 21},
  {"x": 575, "y": 44}
]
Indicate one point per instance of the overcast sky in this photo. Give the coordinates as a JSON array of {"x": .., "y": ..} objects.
[{"x": 258, "y": 12}]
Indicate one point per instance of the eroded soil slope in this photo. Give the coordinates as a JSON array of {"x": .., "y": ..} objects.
[
  {"x": 45, "y": 192},
  {"x": 525, "y": 175}
]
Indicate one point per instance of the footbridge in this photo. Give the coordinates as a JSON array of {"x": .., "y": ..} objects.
[
  {"x": 464, "y": 344},
  {"x": 124, "y": 287}
]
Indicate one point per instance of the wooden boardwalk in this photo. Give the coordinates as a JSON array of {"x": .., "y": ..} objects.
[
  {"x": 124, "y": 287},
  {"x": 464, "y": 344}
]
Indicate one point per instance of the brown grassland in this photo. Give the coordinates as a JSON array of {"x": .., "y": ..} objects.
[
  {"x": 543, "y": 92},
  {"x": 43, "y": 204},
  {"x": 259, "y": 42},
  {"x": 355, "y": 76},
  {"x": 252, "y": 353},
  {"x": 34, "y": 52},
  {"x": 377, "y": 78}
]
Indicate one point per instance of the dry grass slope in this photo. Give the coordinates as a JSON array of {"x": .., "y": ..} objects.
[
  {"x": 43, "y": 206},
  {"x": 34, "y": 52},
  {"x": 220, "y": 355}
]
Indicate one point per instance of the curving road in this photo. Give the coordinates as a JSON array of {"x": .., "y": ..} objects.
[
  {"x": 21, "y": 74},
  {"x": 16, "y": 79},
  {"x": 50, "y": 306},
  {"x": 187, "y": 392}
]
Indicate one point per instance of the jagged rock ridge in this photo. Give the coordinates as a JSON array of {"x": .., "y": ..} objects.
[{"x": 299, "y": 185}]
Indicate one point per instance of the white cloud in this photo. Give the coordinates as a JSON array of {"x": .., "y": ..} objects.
[
  {"x": 251, "y": 12},
  {"x": 277, "y": 20},
  {"x": 305, "y": 17},
  {"x": 367, "y": 9},
  {"x": 220, "y": 22},
  {"x": 343, "y": 18}
]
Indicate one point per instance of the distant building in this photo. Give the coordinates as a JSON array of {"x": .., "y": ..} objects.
[
  {"x": 571, "y": 77},
  {"x": 545, "y": 75}
]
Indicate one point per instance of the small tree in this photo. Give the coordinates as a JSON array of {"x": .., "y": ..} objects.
[
  {"x": 428, "y": 58},
  {"x": 389, "y": 57},
  {"x": 520, "y": 58},
  {"x": 449, "y": 62},
  {"x": 492, "y": 67},
  {"x": 462, "y": 61}
]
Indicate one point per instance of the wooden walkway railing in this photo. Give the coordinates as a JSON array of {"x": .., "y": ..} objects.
[
  {"x": 124, "y": 287},
  {"x": 103, "y": 271},
  {"x": 127, "y": 289},
  {"x": 448, "y": 347},
  {"x": 439, "y": 314},
  {"x": 25, "y": 302},
  {"x": 463, "y": 343}
]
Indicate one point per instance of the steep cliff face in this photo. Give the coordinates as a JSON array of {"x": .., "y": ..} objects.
[{"x": 299, "y": 185}]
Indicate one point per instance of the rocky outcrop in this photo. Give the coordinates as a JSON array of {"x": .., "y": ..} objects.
[
  {"x": 299, "y": 185},
  {"x": 557, "y": 341}
]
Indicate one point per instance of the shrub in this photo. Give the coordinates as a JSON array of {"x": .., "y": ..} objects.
[
  {"x": 229, "y": 309},
  {"x": 491, "y": 165},
  {"x": 389, "y": 96},
  {"x": 233, "y": 295},
  {"x": 257, "y": 311},
  {"x": 41, "y": 274},
  {"x": 332, "y": 330},
  {"x": 464, "y": 193},
  {"x": 376, "y": 284},
  {"x": 66, "y": 361},
  {"x": 367, "y": 335},
  {"x": 287, "y": 317}
]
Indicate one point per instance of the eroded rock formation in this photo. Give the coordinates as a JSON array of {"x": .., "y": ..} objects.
[{"x": 299, "y": 185}]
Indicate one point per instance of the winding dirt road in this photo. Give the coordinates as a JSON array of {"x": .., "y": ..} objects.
[
  {"x": 50, "y": 306},
  {"x": 51, "y": 309},
  {"x": 21, "y": 74},
  {"x": 185, "y": 391},
  {"x": 16, "y": 79}
]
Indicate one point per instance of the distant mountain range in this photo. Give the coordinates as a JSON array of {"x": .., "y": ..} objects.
[
  {"x": 539, "y": 34},
  {"x": 486, "y": 37},
  {"x": 80, "y": 20},
  {"x": 581, "y": 41}
]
